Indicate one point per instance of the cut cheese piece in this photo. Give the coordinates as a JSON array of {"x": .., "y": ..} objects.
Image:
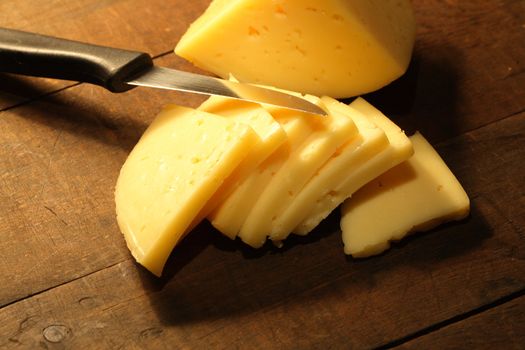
[
  {"x": 229, "y": 216},
  {"x": 337, "y": 129},
  {"x": 414, "y": 196},
  {"x": 348, "y": 160},
  {"x": 338, "y": 48},
  {"x": 270, "y": 133},
  {"x": 178, "y": 164},
  {"x": 399, "y": 150}
]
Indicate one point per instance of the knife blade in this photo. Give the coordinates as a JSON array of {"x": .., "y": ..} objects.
[
  {"x": 120, "y": 70},
  {"x": 165, "y": 78}
]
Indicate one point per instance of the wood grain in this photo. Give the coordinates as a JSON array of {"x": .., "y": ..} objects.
[
  {"x": 218, "y": 293},
  {"x": 60, "y": 160},
  {"x": 68, "y": 280},
  {"x": 500, "y": 328}
]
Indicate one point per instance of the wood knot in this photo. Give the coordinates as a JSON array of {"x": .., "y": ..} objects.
[
  {"x": 56, "y": 333},
  {"x": 150, "y": 333},
  {"x": 88, "y": 302}
]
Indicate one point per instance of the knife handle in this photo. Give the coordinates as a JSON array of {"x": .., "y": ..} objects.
[{"x": 44, "y": 56}]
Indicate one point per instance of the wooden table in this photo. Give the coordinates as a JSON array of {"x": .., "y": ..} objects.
[{"x": 68, "y": 281}]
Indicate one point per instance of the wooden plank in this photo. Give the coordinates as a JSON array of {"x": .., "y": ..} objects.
[
  {"x": 60, "y": 160},
  {"x": 502, "y": 327},
  {"x": 220, "y": 294},
  {"x": 152, "y": 26}
]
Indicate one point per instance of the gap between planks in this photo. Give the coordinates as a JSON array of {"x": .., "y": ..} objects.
[
  {"x": 29, "y": 296},
  {"x": 390, "y": 345},
  {"x": 54, "y": 92},
  {"x": 452, "y": 320}
]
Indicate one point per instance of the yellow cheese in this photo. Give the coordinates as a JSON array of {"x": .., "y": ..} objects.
[
  {"x": 336, "y": 129},
  {"x": 349, "y": 159},
  {"x": 270, "y": 134},
  {"x": 399, "y": 150},
  {"x": 414, "y": 196},
  {"x": 178, "y": 164},
  {"x": 229, "y": 216},
  {"x": 338, "y": 48}
]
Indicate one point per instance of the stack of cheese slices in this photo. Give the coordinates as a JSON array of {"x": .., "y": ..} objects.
[{"x": 258, "y": 172}]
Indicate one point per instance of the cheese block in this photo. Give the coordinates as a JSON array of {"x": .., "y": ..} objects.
[
  {"x": 270, "y": 137},
  {"x": 178, "y": 164},
  {"x": 338, "y": 48},
  {"x": 229, "y": 216},
  {"x": 337, "y": 129},
  {"x": 399, "y": 150},
  {"x": 349, "y": 159},
  {"x": 414, "y": 196}
]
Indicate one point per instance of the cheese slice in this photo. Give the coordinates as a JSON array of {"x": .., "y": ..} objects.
[
  {"x": 349, "y": 159},
  {"x": 337, "y": 129},
  {"x": 338, "y": 48},
  {"x": 230, "y": 215},
  {"x": 417, "y": 195},
  {"x": 270, "y": 137},
  {"x": 399, "y": 150},
  {"x": 178, "y": 164}
]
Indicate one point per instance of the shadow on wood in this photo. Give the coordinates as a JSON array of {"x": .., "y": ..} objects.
[
  {"x": 426, "y": 98},
  {"x": 225, "y": 284},
  {"x": 202, "y": 284},
  {"x": 85, "y": 111}
]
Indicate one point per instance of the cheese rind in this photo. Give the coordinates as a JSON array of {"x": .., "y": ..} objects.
[
  {"x": 399, "y": 150},
  {"x": 180, "y": 161},
  {"x": 416, "y": 195},
  {"x": 337, "y": 128},
  {"x": 349, "y": 158},
  {"x": 338, "y": 48}
]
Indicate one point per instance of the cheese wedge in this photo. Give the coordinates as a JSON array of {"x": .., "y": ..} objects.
[
  {"x": 338, "y": 48},
  {"x": 417, "y": 195},
  {"x": 399, "y": 150},
  {"x": 270, "y": 137},
  {"x": 178, "y": 164},
  {"x": 337, "y": 129},
  {"x": 349, "y": 159},
  {"x": 230, "y": 215}
]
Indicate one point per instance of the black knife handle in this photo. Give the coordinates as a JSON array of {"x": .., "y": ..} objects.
[{"x": 44, "y": 56}]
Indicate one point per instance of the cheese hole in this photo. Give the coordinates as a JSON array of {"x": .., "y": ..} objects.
[
  {"x": 253, "y": 32},
  {"x": 280, "y": 12},
  {"x": 300, "y": 50},
  {"x": 338, "y": 18}
]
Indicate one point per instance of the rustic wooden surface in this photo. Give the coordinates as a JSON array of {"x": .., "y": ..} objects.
[{"x": 68, "y": 281}]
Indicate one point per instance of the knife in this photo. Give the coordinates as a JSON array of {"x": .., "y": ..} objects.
[{"x": 120, "y": 70}]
